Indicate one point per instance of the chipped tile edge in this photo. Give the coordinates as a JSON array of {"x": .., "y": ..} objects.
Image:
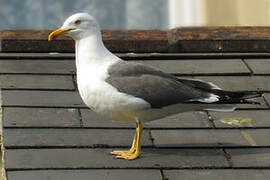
[{"x": 3, "y": 171}]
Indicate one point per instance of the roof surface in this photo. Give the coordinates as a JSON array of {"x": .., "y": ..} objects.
[{"x": 48, "y": 133}]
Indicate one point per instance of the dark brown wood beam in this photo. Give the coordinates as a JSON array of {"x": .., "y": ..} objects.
[{"x": 179, "y": 40}]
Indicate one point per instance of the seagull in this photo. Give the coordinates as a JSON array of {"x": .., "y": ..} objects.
[{"x": 134, "y": 92}]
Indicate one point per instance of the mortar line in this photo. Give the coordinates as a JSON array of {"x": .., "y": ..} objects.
[
  {"x": 74, "y": 82},
  {"x": 162, "y": 175},
  {"x": 228, "y": 157},
  {"x": 151, "y": 137},
  {"x": 249, "y": 68},
  {"x": 210, "y": 119},
  {"x": 266, "y": 102},
  {"x": 80, "y": 117}
]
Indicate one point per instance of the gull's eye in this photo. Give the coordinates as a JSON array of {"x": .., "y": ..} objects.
[{"x": 77, "y": 22}]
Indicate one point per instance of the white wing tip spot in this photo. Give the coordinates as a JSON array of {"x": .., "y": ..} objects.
[{"x": 211, "y": 99}]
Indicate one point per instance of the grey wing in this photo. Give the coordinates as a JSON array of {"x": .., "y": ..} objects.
[{"x": 154, "y": 86}]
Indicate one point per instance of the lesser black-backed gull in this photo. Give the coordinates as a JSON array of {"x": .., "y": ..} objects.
[{"x": 134, "y": 92}]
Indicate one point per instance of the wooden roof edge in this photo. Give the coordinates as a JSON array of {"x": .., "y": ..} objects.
[{"x": 177, "y": 40}]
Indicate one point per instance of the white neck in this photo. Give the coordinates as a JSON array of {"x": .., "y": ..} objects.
[{"x": 91, "y": 48}]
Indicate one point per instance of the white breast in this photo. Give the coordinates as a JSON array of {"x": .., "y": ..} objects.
[
  {"x": 101, "y": 96},
  {"x": 92, "y": 62}
]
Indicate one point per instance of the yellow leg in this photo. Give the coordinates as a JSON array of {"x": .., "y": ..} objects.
[
  {"x": 135, "y": 150},
  {"x": 131, "y": 150}
]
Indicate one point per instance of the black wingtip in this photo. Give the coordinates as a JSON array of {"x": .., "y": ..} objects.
[
  {"x": 244, "y": 101},
  {"x": 251, "y": 94},
  {"x": 238, "y": 97}
]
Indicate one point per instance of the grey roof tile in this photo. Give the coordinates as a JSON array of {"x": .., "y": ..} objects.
[
  {"x": 21, "y": 137},
  {"x": 100, "y": 158},
  {"x": 259, "y": 66},
  {"x": 86, "y": 174},
  {"x": 219, "y": 174},
  {"x": 260, "y": 137},
  {"x": 205, "y": 66},
  {"x": 182, "y": 120},
  {"x": 250, "y": 157},
  {"x": 94, "y": 120},
  {"x": 35, "y": 66},
  {"x": 41, "y": 98},
  {"x": 193, "y": 119},
  {"x": 40, "y": 117},
  {"x": 47, "y": 128},
  {"x": 239, "y": 83},
  {"x": 54, "y": 82},
  {"x": 256, "y": 118},
  {"x": 199, "y": 138},
  {"x": 267, "y": 98}
]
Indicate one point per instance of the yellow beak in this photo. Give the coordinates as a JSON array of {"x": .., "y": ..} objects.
[{"x": 56, "y": 33}]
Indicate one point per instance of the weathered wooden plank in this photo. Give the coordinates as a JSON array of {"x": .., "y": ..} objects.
[
  {"x": 139, "y": 56},
  {"x": 184, "y": 39},
  {"x": 219, "y": 39},
  {"x": 220, "y": 33},
  {"x": 115, "y": 40}
]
